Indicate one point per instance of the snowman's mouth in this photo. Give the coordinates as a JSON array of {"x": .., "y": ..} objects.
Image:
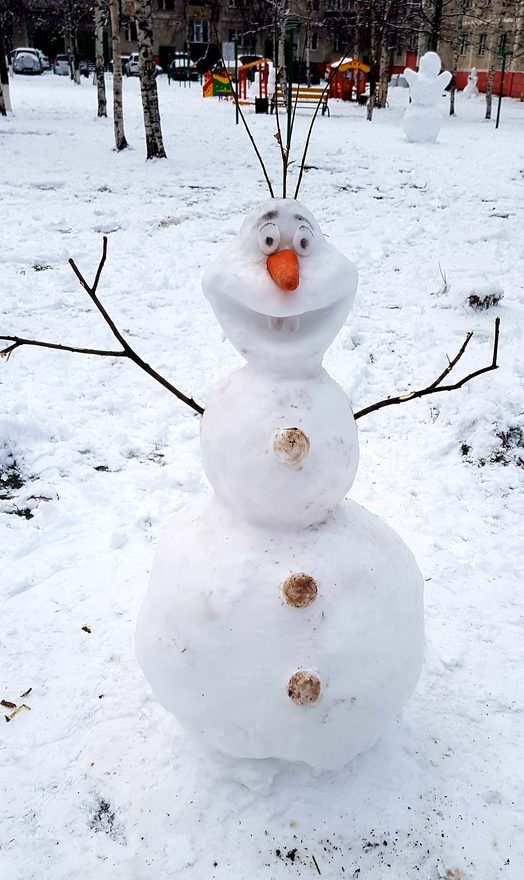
[
  {"x": 290, "y": 324},
  {"x": 282, "y": 330}
]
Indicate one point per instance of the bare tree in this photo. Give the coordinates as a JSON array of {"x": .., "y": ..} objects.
[
  {"x": 67, "y": 17},
  {"x": 9, "y": 9},
  {"x": 4, "y": 78},
  {"x": 457, "y": 49},
  {"x": 149, "y": 91},
  {"x": 498, "y": 42},
  {"x": 118, "y": 111},
  {"x": 99, "y": 57},
  {"x": 382, "y": 16}
]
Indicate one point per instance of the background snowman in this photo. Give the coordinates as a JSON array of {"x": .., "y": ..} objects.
[
  {"x": 471, "y": 89},
  {"x": 422, "y": 119}
]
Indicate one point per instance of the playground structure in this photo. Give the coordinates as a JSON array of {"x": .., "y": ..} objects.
[
  {"x": 220, "y": 84},
  {"x": 348, "y": 79}
]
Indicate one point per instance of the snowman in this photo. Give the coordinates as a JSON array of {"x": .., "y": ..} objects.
[
  {"x": 422, "y": 119},
  {"x": 471, "y": 90},
  {"x": 282, "y": 620}
]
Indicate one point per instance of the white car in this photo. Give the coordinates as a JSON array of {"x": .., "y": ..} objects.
[
  {"x": 61, "y": 65},
  {"x": 27, "y": 60},
  {"x": 46, "y": 64},
  {"x": 132, "y": 66}
]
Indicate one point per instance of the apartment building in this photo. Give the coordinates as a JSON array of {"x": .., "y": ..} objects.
[{"x": 470, "y": 33}]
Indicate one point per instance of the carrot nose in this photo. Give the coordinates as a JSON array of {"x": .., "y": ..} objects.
[{"x": 283, "y": 268}]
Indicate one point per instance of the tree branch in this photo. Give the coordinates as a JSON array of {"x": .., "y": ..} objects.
[
  {"x": 18, "y": 341},
  {"x": 435, "y": 386},
  {"x": 127, "y": 351}
]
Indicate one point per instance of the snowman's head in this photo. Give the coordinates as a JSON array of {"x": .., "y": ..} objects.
[
  {"x": 429, "y": 65},
  {"x": 280, "y": 291}
]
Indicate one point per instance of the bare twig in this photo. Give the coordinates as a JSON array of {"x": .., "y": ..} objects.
[
  {"x": 278, "y": 135},
  {"x": 15, "y": 712},
  {"x": 234, "y": 92},
  {"x": 127, "y": 351},
  {"x": 315, "y": 114},
  {"x": 435, "y": 386}
]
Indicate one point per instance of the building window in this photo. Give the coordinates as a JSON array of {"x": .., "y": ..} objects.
[
  {"x": 338, "y": 43},
  {"x": 502, "y": 43},
  {"x": 482, "y": 44},
  {"x": 199, "y": 31},
  {"x": 130, "y": 32},
  {"x": 166, "y": 5},
  {"x": 463, "y": 44},
  {"x": 315, "y": 5},
  {"x": 313, "y": 41}
]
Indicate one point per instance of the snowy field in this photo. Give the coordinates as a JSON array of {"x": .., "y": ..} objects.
[{"x": 98, "y": 781}]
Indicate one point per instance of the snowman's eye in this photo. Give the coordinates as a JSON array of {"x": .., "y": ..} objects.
[
  {"x": 269, "y": 238},
  {"x": 303, "y": 240}
]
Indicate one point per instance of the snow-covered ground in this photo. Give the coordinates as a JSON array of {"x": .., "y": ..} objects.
[{"x": 98, "y": 780}]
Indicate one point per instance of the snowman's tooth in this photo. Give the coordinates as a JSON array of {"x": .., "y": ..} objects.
[
  {"x": 292, "y": 323},
  {"x": 275, "y": 324}
]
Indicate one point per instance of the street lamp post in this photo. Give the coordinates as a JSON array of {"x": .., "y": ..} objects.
[{"x": 235, "y": 43}]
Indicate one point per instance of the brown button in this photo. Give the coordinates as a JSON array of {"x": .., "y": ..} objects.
[
  {"x": 303, "y": 688},
  {"x": 291, "y": 445},
  {"x": 299, "y": 590}
]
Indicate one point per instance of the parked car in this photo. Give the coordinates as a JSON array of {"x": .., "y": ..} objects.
[
  {"x": 132, "y": 66},
  {"x": 46, "y": 64},
  {"x": 61, "y": 65},
  {"x": 27, "y": 60}
]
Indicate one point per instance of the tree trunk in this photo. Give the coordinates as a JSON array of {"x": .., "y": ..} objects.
[
  {"x": 5, "y": 102},
  {"x": 489, "y": 87},
  {"x": 456, "y": 56},
  {"x": 76, "y": 60},
  {"x": 153, "y": 129},
  {"x": 371, "y": 103},
  {"x": 99, "y": 55},
  {"x": 373, "y": 73},
  {"x": 436, "y": 25},
  {"x": 382, "y": 78},
  {"x": 118, "y": 112},
  {"x": 452, "y": 93}
]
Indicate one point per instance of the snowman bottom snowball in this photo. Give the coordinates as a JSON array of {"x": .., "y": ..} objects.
[{"x": 315, "y": 682}]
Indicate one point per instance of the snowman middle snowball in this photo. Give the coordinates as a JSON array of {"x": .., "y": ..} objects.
[{"x": 280, "y": 622}]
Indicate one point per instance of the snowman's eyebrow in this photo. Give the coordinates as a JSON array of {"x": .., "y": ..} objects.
[
  {"x": 303, "y": 220},
  {"x": 269, "y": 216}
]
